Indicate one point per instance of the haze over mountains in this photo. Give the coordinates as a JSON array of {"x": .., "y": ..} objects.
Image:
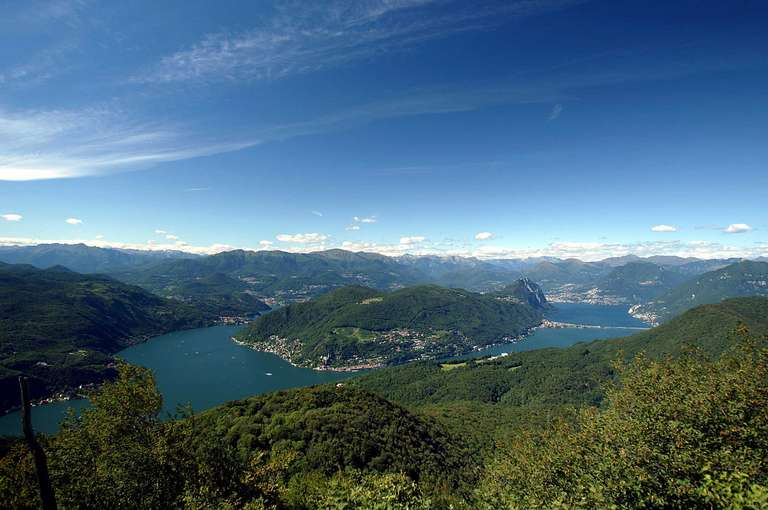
[{"x": 284, "y": 277}]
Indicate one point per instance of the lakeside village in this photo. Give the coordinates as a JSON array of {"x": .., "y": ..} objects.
[{"x": 426, "y": 344}]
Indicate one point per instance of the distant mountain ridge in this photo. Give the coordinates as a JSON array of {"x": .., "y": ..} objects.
[
  {"x": 237, "y": 282},
  {"x": 357, "y": 327},
  {"x": 83, "y": 258}
]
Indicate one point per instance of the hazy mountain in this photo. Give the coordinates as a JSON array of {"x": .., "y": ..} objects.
[
  {"x": 640, "y": 281},
  {"x": 85, "y": 259}
]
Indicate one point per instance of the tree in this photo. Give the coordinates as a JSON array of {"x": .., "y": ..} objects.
[{"x": 685, "y": 433}]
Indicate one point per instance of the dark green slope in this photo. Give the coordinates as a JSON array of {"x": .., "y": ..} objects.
[
  {"x": 574, "y": 375},
  {"x": 218, "y": 294},
  {"x": 745, "y": 278},
  {"x": 357, "y": 325},
  {"x": 59, "y": 327},
  {"x": 336, "y": 428}
]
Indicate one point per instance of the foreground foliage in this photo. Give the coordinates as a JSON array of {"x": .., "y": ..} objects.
[
  {"x": 689, "y": 433},
  {"x": 119, "y": 455},
  {"x": 677, "y": 426}
]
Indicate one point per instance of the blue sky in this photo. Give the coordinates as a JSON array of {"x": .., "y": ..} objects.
[{"x": 495, "y": 129}]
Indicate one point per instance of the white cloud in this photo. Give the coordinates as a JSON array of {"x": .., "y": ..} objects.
[
  {"x": 171, "y": 237},
  {"x": 737, "y": 228},
  {"x": 364, "y": 219},
  {"x": 160, "y": 232},
  {"x": 412, "y": 239},
  {"x": 317, "y": 213},
  {"x": 73, "y": 221},
  {"x": 55, "y": 144},
  {"x": 311, "y": 238},
  {"x": 99, "y": 236},
  {"x": 265, "y": 244},
  {"x": 483, "y": 236},
  {"x": 303, "y": 37},
  {"x": 663, "y": 228},
  {"x": 150, "y": 245},
  {"x": 353, "y": 227},
  {"x": 11, "y": 217},
  {"x": 563, "y": 250},
  {"x": 556, "y": 111}
]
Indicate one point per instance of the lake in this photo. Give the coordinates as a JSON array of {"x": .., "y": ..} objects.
[{"x": 204, "y": 368}]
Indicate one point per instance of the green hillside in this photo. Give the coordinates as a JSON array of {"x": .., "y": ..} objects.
[
  {"x": 574, "y": 375},
  {"x": 357, "y": 326},
  {"x": 59, "y": 327},
  {"x": 746, "y": 278},
  {"x": 218, "y": 294},
  {"x": 337, "y": 428}
]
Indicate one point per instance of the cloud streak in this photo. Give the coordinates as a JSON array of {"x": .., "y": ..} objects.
[
  {"x": 563, "y": 250},
  {"x": 556, "y": 111},
  {"x": 663, "y": 228},
  {"x": 11, "y": 217},
  {"x": 311, "y": 238},
  {"x": 304, "y": 37},
  {"x": 54, "y": 144}
]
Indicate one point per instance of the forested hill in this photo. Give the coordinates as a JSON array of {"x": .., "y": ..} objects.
[
  {"x": 745, "y": 278},
  {"x": 339, "y": 428},
  {"x": 357, "y": 326},
  {"x": 574, "y": 375},
  {"x": 59, "y": 327}
]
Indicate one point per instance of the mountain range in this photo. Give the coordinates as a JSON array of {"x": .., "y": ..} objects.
[{"x": 277, "y": 277}]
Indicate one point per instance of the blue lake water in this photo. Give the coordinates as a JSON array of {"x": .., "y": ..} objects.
[
  {"x": 204, "y": 368},
  {"x": 200, "y": 367}
]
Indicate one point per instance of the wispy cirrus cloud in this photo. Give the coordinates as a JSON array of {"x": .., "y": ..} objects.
[
  {"x": 407, "y": 240},
  {"x": 73, "y": 221},
  {"x": 310, "y": 238},
  {"x": 303, "y": 37},
  {"x": 556, "y": 111},
  {"x": 11, "y": 217},
  {"x": 51, "y": 144}
]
